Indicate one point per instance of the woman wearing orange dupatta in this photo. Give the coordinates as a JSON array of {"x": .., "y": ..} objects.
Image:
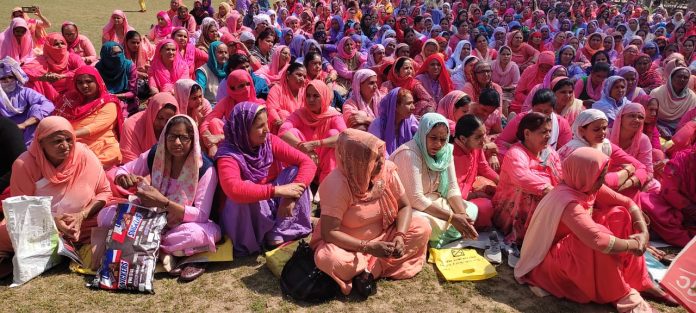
[
  {"x": 56, "y": 165},
  {"x": 140, "y": 131},
  {"x": 591, "y": 250},
  {"x": 50, "y": 73},
  {"x": 593, "y": 44},
  {"x": 314, "y": 128},
  {"x": 240, "y": 87},
  {"x": 95, "y": 114},
  {"x": 366, "y": 222}
]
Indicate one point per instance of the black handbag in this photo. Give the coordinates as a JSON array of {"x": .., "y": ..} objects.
[{"x": 301, "y": 280}]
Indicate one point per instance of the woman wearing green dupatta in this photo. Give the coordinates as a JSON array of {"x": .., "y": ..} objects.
[
  {"x": 213, "y": 71},
  {"x": 426, "y": 167}
]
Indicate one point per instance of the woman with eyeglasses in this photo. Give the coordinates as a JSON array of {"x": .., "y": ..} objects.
[{"x": 182, "y": 181}]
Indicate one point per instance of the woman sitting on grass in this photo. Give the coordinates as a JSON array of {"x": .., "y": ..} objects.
[{"x": 366, "y": 222}]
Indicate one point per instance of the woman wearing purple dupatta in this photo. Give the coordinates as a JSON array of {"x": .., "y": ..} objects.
[
  {"x": 395, "y": 123},
  {"x": 265, "y": 203}
]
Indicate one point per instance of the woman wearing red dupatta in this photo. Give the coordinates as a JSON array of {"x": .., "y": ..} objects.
[
  {"x": 314, "y": 128},
  {"x": 95, "y": 114},
  {"x": 434, "y": 77},
  {"x": 240, "y": 87},
  {"x": 50, "y": 73}
]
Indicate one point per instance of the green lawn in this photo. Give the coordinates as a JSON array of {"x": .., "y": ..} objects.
[{"x": 246, "y": 284}]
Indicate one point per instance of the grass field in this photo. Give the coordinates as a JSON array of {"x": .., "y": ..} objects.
[{"x": 246, "y": 284}]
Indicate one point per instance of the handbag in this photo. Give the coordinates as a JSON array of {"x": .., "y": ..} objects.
[{"x": 301, "y": 280}]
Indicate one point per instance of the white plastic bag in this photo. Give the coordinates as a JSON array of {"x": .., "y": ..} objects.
[{"x": 33, "y": 234}]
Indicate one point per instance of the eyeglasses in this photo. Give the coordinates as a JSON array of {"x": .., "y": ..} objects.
[{"x": 182, "y": 138}]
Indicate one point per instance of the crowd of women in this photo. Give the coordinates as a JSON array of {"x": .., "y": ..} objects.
[{"x": 568, "y": 126}]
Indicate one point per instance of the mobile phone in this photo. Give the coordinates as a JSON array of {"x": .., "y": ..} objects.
[{"x": 31, "y": 9}]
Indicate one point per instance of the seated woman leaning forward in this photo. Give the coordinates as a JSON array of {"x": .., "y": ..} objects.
[
  {"x": 530, "y": 170},
  {"x": 265, "y": 181},
  {"x": 57, "y": 165},
  {"x": 426, "y": 166},
  {"x": 366, "y": 221},
  {"x": 673, "y": 210},
  {"x": 585, "y": 242},
  {"x": 314, "y": 128},
  {"x": 183, "y": 183}
]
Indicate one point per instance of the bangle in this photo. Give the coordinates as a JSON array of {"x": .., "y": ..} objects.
[
  {"x": 400, "y": 234},
  {"x": 321, "y": 142},
  {"x": 166, "y": 206},
  {"x": 363, "y": 246},
  {"x": 449, "y": 220}
]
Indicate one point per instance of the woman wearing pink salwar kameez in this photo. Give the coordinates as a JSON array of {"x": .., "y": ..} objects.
[
  {"x": 366, "y": 221},
  {"x": 673, "y": 211},
  {"x": 187, "y": 195},
  {"x": 529, "y": 171},
  {"x": 585, "y": 241},
  {"x": 314, "y": 128}
]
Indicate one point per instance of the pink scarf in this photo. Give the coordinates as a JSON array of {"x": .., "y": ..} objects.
[
  {"x": 189, "y": 55},
  {"x": 580, "y": 171},
  {"x": 9, "y": 46},
  {"x": 615, "y": 134},
  {"x": 109, "y": 32},
  {"x": 370, "y": 108},
  {"x": 272, "y": 72},
  {"x": 166, "y": 77}
]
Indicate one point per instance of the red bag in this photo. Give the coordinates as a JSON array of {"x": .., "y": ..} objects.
[{"x": 680, "y": 279}]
